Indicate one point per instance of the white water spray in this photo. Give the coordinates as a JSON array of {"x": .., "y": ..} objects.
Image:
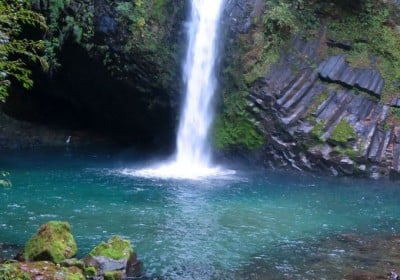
[{"x": 193, "y": 157}]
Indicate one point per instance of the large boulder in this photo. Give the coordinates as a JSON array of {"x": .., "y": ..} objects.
[{"x": 53, "y": 242}]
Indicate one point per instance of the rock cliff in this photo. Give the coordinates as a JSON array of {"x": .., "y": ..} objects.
[{"x": 320, "y": 105}]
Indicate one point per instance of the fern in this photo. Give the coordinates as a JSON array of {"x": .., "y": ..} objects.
[{"x": 15, "y": 52}]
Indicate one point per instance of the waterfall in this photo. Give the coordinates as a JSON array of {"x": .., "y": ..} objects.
[
  {"x": 199, "y": 77},
  {"x": 193, "y": 155}
]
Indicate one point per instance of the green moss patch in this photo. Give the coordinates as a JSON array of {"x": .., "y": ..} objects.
[
  {"x": 242, "y": 132},
  {"x": 12, "y": 272},
  {"x": 53, "y": 242},
  {"x": 90, "y": 271},
  {"x": 318, "y": 131},
  {"x": 113, "y": 275},
  {"x": 116, "y": 248},
  {"x": 38, "y": 270},
  {"x": 376, "y": 42},
  {"x": 342, "y": 133}
]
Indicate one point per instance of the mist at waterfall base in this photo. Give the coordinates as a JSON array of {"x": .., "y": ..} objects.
[
  {"x": 193, "y": 156},
  {"x": 265, "y": 224}
]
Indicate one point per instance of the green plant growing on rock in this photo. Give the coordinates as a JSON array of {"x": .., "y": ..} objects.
[
  {"x": 342, "y": 133},
  {"x": 90, "y": 271},
  {"x": 9, "y": 271},
  {"x": 113, "y": 275},
  {"x": 241, "y": 132},
  {"x": 273, "y": 25},
  {"x": 279, "y": 17},
  {"x": 376, "y": 42},
  {"x": 318, "y": 130},
  {"x": 17, "y": 51}
]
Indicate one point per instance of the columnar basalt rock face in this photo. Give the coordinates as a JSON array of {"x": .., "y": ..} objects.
[
  {"x": 335, "y": 69},
  {"x": 312, "y": 124}
]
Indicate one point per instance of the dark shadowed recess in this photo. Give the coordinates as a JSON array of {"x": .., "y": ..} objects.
[{"x": 83, "y": 95}]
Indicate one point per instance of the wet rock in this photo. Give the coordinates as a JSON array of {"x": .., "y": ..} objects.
[
  {"x": 72, "y": 262},
  {"x": 53, "y": 242},
  {"x": 134, "y": 267},
  {"x": 393, "y": 276},
  {"x": 116, "y": 254},
  {"x": 347, "y": 166},
  {"x": 396, "y": 102},
  {"x": 42, "y": 270},
  {"x": 345, "y": 45}
]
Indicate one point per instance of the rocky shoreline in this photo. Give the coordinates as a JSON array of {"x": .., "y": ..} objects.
[
  {"x": 18, "y": 135},
  {"x": 49, "y": 255}
]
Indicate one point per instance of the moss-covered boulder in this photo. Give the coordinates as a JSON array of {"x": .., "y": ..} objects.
[
  {"x": 113, "y": 255},
  {"x": 116, "y": 248},
  {"x": 53, "y": 242}
]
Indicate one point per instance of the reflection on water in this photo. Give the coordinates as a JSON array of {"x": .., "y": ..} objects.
[{"x": 258, "y": 223}]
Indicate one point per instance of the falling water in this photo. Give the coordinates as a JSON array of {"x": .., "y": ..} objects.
[
  {"x": 193, "y": 157},
  {"x": 199, "y": 76}
]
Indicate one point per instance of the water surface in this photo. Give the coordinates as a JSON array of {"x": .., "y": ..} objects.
[{"x": 245, "y": 226}]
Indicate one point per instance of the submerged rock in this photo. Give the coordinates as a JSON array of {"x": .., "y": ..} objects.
[{"x": 53, "y": 242}]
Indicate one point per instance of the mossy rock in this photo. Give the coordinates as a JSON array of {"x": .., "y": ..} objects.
[
  {"x": 39, "y": 270},
  {"x": 342, "y": 133},
  {"x": 11, "y": 271},
  {"x": 116, "y": 248},
  {"x": 73, "y": 273},
  {"x": 113, "y": 275},
  {"x": 90, "y": 271},
  {"x": 53, "y": 242}
]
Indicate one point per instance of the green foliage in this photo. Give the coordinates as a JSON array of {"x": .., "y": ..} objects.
[
  {"x": 279, "y": 17},
  {"x": 16, "y": 51},
  {"x": 148, "y": 27},
  {"x": 234, "y": 127},
  {"x": 74, "y": 275},
  {"x": 242, "y": 133},
  {"x": 318, "y": 131},
  {"x": 9, "y": 271},
  {"x": 394, "y": 114},
  {"x": 65, "y": 19},
  {"x": 113, "y": 275},
  {"x": 250, "y": 59},
  {"x": 342, "y": 133},
  {"x": 379, "y": 40},
  {"x": 90, "y": 271}
]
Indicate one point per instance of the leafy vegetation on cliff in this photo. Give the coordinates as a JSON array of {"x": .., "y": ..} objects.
[
  {"x": 247, "y": 61},
  {"x": 17, "y": 50},
  {"x": 375, "y": 40}
]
